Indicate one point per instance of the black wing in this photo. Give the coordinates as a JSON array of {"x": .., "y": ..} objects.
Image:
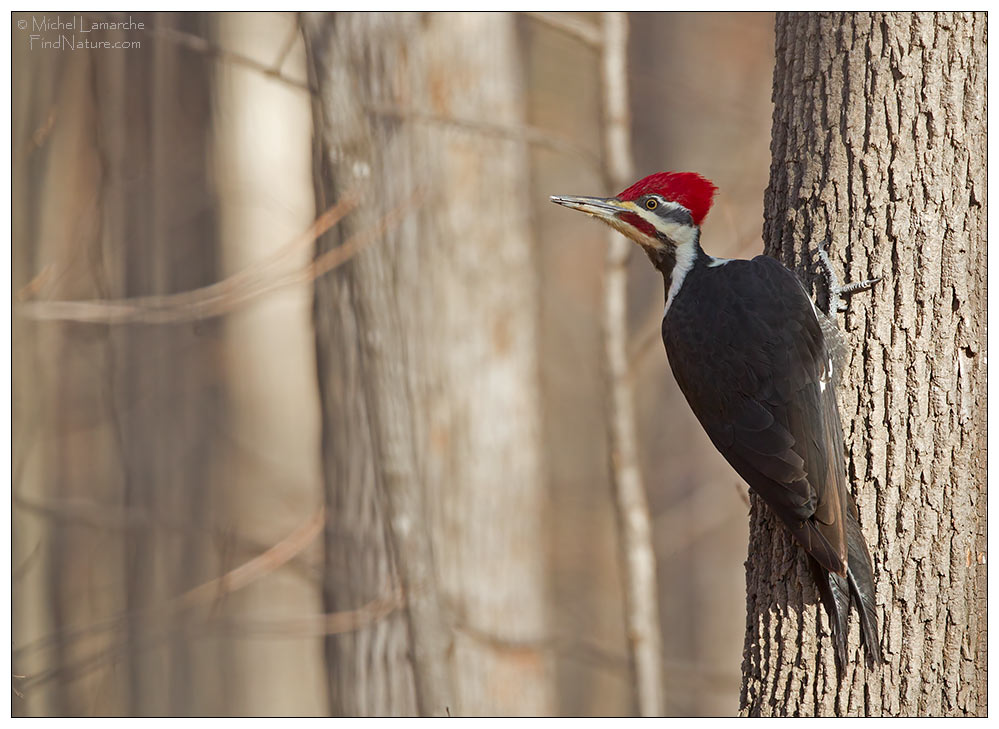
[{"x": 747, "y": 350}]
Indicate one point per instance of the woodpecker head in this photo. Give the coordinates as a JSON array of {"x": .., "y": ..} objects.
[{"x": 660, "y": 212}]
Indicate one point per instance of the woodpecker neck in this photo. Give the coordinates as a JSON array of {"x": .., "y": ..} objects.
[{"x": 675, "y": 262}]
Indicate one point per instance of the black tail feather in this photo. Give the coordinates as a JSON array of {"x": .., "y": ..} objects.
[
  {"x": 835, "y": 594},
  {"x": 858, "y": 587},
  {"x": 861, "y": 578}
]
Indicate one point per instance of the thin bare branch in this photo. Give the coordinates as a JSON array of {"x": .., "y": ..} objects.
[
  {"x": 236, "y": 290},
  {"x": 634, "y": 524},
  {"x": 506, "y": 645},
  {"x": 21, "y": 570},
  {"x": 236, "y": 579},
  {"x": 289, "y": 43},
  {"x": 517, "y": 132},
  {"x": 359, "y": 241},
  {"x": 327, "y": 624},
  {"x": 35, "y": 285},
  {"x": 199, "y": 44},
  {"x": 92, "y": 514},
  {"x": 259, "y": 566},
  {"x": 203, "y": 302},
  {"x": 344, "y": 621}
]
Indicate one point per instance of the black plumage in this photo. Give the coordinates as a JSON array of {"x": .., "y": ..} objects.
[{"x": 747, "y": 349}]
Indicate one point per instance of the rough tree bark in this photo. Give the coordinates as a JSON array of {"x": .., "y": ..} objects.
[
  {"x": 428, "y": 366},
  {"x": 879, "y": 147}
]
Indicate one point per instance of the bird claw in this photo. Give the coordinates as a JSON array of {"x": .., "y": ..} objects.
[
  {"x": 848, "y": 290},
  {"x": 853, "y": 288},
  {"x": 838, "y": 293}
]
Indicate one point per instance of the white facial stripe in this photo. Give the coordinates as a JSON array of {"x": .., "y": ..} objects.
[
  {"x": 679, "y": 233},
  {"x": 686, "y": 254},
  {"x": 670, "y": 205}
]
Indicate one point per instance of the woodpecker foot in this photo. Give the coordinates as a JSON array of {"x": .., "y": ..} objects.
[
  {"x": 853, "y": 288},
  {"x": 839, "y": 292}
]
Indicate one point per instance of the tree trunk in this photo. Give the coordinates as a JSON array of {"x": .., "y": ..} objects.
[
  {"x": 116, "y": 424},
  {"x": 584, "y": 584},
  {"x": 428, "y": 366},
  {"x": 262, "y": 171},
  {"x": 638, "y": 563},
  {"x": 162, "y": 404},
  {"x": 879, "y": 147}
]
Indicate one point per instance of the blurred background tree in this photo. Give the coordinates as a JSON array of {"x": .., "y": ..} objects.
[
  {"x": 266, "y": 268},
  {"x": 428, "y": 346}
]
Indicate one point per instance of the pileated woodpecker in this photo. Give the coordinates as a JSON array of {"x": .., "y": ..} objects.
[{"x": 755, "y": 359}]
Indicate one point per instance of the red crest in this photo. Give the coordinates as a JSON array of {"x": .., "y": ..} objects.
[{"x": 686, "y": 188}]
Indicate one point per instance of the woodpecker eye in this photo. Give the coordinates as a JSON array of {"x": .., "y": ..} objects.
[{"x": 651, "y": 203}]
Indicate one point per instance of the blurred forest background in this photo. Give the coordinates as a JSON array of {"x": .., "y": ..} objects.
[{"x": 176, "y": 550}]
